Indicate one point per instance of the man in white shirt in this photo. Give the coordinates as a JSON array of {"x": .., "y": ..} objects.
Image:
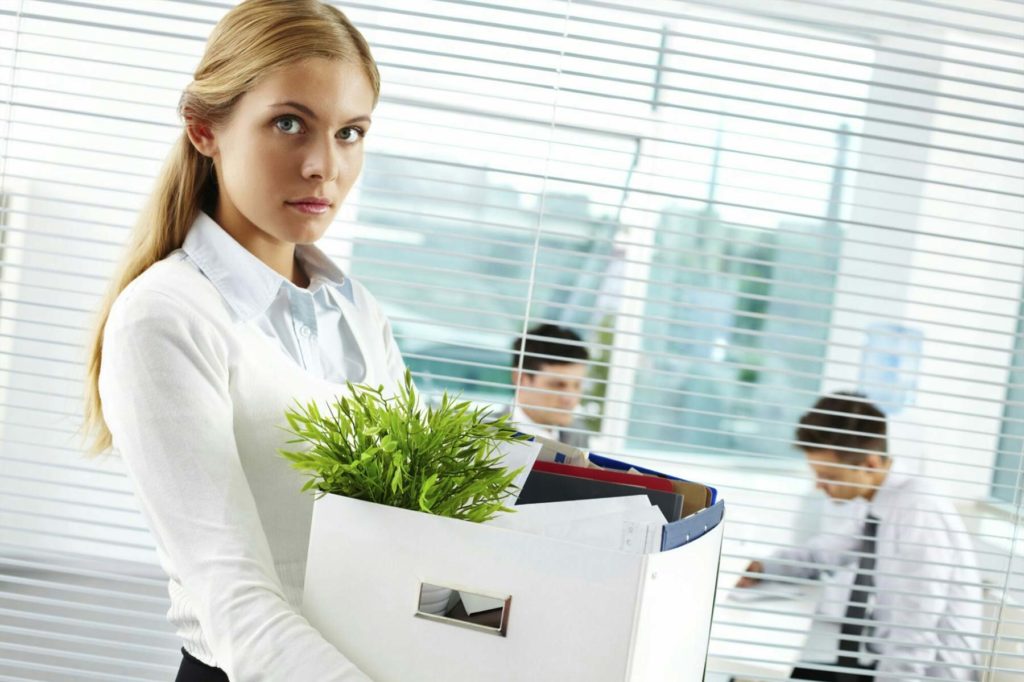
[
  {"x": 914, "y": 610},
  {"x": 548, "y": 369}
]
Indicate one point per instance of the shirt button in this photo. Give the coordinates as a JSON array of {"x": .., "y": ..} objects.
[{"x": 304, "y": 331}]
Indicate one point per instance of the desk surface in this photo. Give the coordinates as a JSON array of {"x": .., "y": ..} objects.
[{"x": 766, "y": 636}]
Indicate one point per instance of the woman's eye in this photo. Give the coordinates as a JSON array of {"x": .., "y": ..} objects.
[
  {"x": 288, "y": 125},
  {"x": 350, "y": 134}
]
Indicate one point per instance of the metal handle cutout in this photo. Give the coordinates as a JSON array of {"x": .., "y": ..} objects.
[{"x": 464, "y": 608}]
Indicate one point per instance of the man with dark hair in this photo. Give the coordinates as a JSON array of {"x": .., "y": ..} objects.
[
  {"x": 914, "y": 610},
  {"x": 549, "y": 364}
]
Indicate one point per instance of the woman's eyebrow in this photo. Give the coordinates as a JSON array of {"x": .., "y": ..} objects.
[
  {"x": 309, "y": 112},
  {"x": 295, "y": 105}
]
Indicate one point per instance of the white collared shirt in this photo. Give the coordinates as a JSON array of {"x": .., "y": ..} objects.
[
  {"x": 526, "y": 425},
  {"x": 926, "y": 601},
  {"x": 307, "y": 323}
]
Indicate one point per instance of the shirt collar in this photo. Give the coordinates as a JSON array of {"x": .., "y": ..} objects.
[
  {"x": 323, "y": 272},
  {"x": 888, "y": 495},
  {"x": 526, "y": 425},
  {"x": 248, "y": 284}
]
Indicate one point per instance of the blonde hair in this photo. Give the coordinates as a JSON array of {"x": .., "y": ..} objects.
[{"x": 251, "y": 40}]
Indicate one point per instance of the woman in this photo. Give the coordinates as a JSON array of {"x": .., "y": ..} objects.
[{"x": 223, "y": 313}]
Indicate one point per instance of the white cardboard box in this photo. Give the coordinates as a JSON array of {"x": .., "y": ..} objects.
[{"x": 576, "y": 613}]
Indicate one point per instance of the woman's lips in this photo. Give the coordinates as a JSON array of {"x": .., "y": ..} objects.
[{"x": 310, "y": 206}]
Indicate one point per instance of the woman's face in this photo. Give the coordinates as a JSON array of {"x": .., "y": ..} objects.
[{"x": 290, "y": 151}]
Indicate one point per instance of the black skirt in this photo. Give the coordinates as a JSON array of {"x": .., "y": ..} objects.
[{"x": 194, "y": 670}]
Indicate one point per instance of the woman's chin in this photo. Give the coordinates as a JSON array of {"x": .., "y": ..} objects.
[{"x": 308, "y": 229}]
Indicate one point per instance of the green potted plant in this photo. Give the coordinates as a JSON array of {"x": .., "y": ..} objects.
[{"x": 443, "y": 460}]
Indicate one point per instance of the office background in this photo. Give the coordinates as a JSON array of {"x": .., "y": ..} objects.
[{"x": 738, "y": 204}]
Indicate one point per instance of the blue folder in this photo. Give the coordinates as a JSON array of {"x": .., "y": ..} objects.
[
  {"x": 678, "y": 533},
  {"x": 609, "y": 463}
]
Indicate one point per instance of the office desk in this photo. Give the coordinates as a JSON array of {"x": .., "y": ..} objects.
[{"x": 766, "y": 638}]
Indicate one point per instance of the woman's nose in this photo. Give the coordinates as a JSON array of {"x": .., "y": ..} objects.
[{"x": 323, "y": 162}]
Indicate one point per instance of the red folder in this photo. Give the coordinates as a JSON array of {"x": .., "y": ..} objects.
[{"x": 609, "y": 475}]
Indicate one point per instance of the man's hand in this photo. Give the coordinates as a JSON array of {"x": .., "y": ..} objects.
[{"x": 747, "y": 581}]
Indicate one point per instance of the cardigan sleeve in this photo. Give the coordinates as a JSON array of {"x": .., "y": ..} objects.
[{"x": 164, "y": 387}]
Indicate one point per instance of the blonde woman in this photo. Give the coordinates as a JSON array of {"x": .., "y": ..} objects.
[{"x": 222, "y": 313}]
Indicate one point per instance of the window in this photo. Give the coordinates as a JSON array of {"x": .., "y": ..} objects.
[
  {"x": 742, "y": 212},
  {"x": 1008, "y": 479}
]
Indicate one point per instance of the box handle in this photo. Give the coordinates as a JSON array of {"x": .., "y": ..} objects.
[{"x": 464, "y": 608}]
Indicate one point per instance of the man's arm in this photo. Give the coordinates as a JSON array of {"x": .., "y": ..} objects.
[{"x": 828, "y": 550}]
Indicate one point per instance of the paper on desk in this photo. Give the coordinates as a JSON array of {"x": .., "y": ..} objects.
[
  {"x": 630, "y": 524},
  {"x": 765, "y": 590}
]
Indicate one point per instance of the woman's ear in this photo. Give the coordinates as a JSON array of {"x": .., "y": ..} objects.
[
  {"x": 523, "y": 378},
  {"x": 200, "y": 133}
]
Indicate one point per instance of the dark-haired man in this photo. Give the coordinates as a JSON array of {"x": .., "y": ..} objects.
[
  {"x": 914, "y": 609},
  {"x": 549, "y": 365}
]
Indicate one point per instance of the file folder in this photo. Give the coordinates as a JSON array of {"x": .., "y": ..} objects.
[
  {"x": 610, "y": 475},
  {"x": 542, "y": 486},
  {"x": 697, "y": 495},
  {"x": 693, "y": 527}
]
